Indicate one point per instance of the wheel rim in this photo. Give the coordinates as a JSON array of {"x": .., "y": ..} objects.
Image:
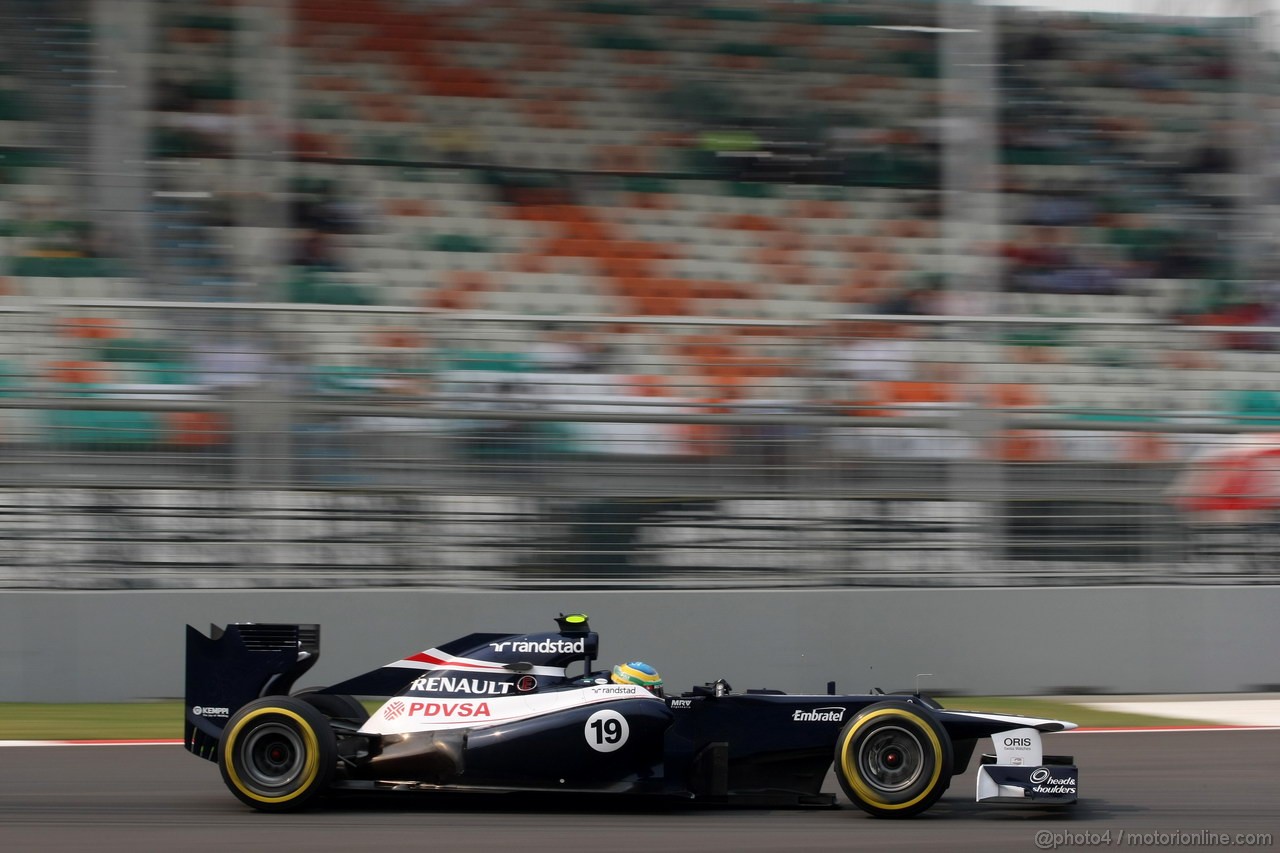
[
  {"x": 272, "y": 758},
  {"x": 891, "y": 759}
]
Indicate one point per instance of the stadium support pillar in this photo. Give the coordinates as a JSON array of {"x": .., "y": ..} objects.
[
  {"x": 261, "y": 421},
  {"x": 968, "y": 45},
  {"x": 119, "y": 125},
  {"x": 264, "y": 71},
  {"x": 1251, "y": 138}
]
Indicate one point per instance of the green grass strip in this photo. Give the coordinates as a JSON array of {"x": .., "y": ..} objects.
[
  {"x": 90, "y": 720},
  {"x": 1057, "y": 709}
]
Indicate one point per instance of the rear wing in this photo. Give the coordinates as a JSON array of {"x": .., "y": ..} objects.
[{"x": 233, "y": 666}]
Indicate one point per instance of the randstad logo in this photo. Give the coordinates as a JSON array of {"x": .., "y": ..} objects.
[{"x": 545, "y": 647}]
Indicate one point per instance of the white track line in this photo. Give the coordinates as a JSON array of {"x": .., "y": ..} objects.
[
  {"x": 1232, "y": 712},
  {"x": 1149, "y": 729}
]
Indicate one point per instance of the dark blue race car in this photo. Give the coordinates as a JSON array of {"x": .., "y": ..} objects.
[{"x": 526, "y": 712}]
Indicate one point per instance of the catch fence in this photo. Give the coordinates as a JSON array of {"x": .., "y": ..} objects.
[{"x": 215, "y": 444}]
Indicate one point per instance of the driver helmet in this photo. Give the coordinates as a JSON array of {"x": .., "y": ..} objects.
[{"x": 637, "y": 672}]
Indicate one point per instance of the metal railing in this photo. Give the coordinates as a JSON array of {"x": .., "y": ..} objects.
[{"x": 154, "y": 443}]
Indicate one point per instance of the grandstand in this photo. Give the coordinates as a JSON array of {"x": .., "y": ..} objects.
[{"x": 731, "y": 224}]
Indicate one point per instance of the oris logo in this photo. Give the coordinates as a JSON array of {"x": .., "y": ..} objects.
[
  {"x": 1018, "y": 742},
  {"x": 393, "y": 710}
]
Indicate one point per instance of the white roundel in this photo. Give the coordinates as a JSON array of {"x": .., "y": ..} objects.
[{"x": 606, "y": 731}]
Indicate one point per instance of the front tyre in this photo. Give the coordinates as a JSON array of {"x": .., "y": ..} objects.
[
  {"x": 277, "y": 753},
  {"x": 893, "y": 759}
]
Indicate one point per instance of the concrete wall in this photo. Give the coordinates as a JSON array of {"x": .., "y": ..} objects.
[{"x": 111, "y": 646}]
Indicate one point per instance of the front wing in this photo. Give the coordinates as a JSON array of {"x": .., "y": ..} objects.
[{"x": 1020, "y": 772}]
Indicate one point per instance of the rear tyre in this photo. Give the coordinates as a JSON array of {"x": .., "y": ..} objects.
[
  {"x": 893, "y": 759},
  {"x": 277, "y": 754}
]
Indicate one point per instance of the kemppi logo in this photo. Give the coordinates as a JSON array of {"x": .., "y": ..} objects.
[{"x": 206, "y": 711}]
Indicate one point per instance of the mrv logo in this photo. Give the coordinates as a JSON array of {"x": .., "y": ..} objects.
[
  {"x": 444, "y": 684},
  {"x": 819, "y": 715},
  {"x": 546, "y": 647},
  {"x": 1046, "y": 783}
]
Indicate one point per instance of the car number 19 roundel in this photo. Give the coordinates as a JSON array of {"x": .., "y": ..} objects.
[{"x": 606, "y": 731}]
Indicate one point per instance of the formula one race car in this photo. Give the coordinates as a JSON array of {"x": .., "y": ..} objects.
[{"x": 502, "y": 712}]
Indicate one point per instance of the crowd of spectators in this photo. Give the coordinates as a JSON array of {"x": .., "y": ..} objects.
[{"x": 756, "y": 162}]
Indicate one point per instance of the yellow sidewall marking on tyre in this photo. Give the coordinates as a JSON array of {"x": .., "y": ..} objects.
[
  {"x": 309, "y": 769},
  {"x": 848, "y": 763}
]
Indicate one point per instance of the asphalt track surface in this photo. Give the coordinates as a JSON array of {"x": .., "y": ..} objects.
[{"x": 145, "y": 798}]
